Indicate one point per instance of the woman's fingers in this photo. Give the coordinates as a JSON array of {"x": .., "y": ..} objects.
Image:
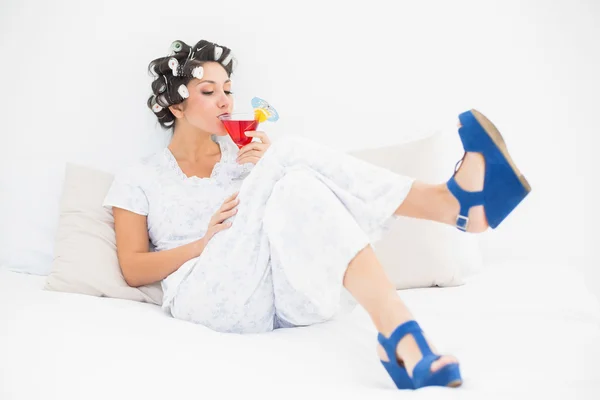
[
  {"x": 227, "y": 214},
  {"x": 253, "y": 160},
  {"x": 253, "y": 146},
  {"x": 217, "y": 228},
  {"x": 233, "y": 196},
  {"x": 223, "y": 226},
  {"x": 259, "y": 134},
  {"x": 229, "y": 205},
  {"x": 217, "y": 223},
  {"x": 226, "y": 211},
  {"x": 250, "y": 154}
]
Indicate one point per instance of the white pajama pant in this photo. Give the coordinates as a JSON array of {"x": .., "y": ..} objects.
[{"x": 305, "y": 212}]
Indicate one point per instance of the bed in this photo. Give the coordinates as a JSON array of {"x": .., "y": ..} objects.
[{"x": 520, "y": 329}]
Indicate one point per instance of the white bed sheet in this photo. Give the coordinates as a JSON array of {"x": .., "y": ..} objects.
[{"x": 519, "y": 329}]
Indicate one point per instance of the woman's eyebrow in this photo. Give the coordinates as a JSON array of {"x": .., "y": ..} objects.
[{"x": 208, "y": 81}]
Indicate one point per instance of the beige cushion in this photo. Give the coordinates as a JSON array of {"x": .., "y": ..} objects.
[
  {"x": 85, "y": 257},
  {"x": 419, "y": 253}
]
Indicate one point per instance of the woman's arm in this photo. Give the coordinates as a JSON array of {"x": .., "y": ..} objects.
[{"x": 138, "y": 265}]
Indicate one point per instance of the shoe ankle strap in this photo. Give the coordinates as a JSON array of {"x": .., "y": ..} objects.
[{"x": 466, "y": 201}]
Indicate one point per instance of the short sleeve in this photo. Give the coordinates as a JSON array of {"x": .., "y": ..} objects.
[{"x": 126, "y": 191}]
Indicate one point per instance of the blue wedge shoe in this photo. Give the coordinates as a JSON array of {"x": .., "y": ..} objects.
[
  {"x": 504, "y": 186},
  {"x": 394, "y": 367},
  {"x": 448, "y": 375}
]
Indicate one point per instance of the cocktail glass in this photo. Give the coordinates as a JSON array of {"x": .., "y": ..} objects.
[{"x": 237, "y": 124}]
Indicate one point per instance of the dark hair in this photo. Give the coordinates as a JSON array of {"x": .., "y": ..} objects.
[{"x": 167, "y": 81}]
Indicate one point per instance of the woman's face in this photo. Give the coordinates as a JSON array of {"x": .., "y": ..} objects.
[{"x": 209, "y": 98}]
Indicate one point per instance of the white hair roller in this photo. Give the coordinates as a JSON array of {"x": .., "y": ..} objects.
[
  {"x": 218, "y": 52},
  {"x": 163, "y": 87},
  {"x": 183, "y": 91},
  {"x": 198, "y": 72},
  {"x": 162, "y": 100},
  {"x": 156, "y": 108},
  {"x": 227, "y": 59},
  {"x": 176, "y": 46},
  {"x": 173, "y": 64}
]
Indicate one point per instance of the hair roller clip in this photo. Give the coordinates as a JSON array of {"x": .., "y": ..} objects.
[
  {"x": 169, "y": 123},
  {"x": 218, "y": 52},
  {"x": 183, "y": 91},
  {"x": 227, "y": 59},
  {"x": 182, "y": 66},
  {"x": 198, "y": 72},
  {"x": 174, "y": 65}
]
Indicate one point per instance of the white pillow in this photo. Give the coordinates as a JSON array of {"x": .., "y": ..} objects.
[
  {"x": 85, "y": 255},
  {"x": 419, "y": 253}
]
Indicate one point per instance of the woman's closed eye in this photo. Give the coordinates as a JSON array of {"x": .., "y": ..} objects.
[{"x": 209, "y": 93}]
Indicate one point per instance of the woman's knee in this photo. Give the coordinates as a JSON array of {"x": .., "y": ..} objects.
[
  {"x": 294, "y": 191},
  {"x": 287, "y": 146},
  {"x": 299, "y": 181}
]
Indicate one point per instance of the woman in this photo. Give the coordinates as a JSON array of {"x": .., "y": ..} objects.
[{"x": 268, "y": 236}]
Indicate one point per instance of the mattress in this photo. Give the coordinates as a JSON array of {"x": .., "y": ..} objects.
[{"x": 519, "y": 329}]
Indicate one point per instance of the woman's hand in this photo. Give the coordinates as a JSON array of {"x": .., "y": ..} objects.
[
  {"x": 253, "y": 151},
  {"x": 216, "y": 222}
]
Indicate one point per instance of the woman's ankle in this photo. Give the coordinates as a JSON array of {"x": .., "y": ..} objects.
[
  {"x": 432, "y": 202},
  {"x": 449, "y": 207},
  {"x": 390, "y": 315}
]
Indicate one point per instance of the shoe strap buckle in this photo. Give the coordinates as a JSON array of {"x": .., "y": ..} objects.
[{"x": 462, "y": 222}]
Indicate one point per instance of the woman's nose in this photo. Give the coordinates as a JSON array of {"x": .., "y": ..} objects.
[{"x": 224, "y": 101}]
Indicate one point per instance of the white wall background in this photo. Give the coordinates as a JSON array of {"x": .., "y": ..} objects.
[{"x": 350, "y": 74}]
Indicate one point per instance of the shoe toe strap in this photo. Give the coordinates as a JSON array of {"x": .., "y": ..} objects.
[{"x": 422, "y": 370}]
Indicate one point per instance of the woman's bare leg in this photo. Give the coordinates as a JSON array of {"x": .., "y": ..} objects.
[
  {"x": 368, "y": 283},
  {"x": 436, "y": 203},
  {"x": 366, "y": 279}
]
